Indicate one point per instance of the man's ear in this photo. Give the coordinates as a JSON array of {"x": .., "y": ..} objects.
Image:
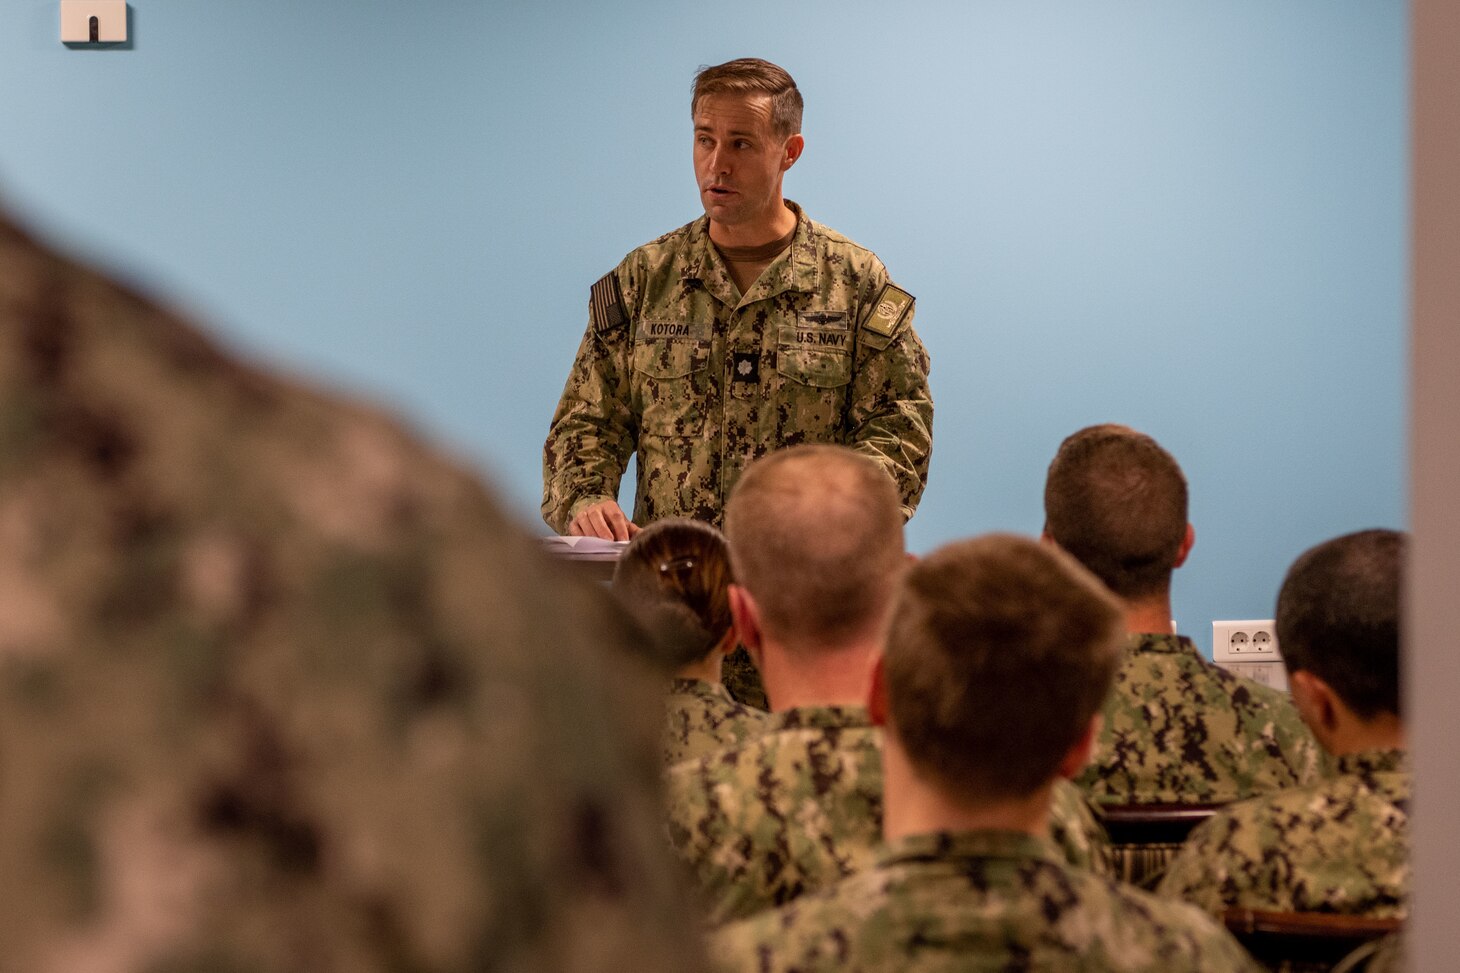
[
  {"x": 795, "y": 145},
  {"x": 746, "y": 617},
  {"x": 1315, "y": 702},
  {"x": 1045, "y": 538},
  {"x": 1081, "y": 750},
  {"x": 1187, "y": 543},
  {"x": 877, "y": 698}
]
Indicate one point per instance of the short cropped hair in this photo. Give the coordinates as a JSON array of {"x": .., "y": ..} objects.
[
  {"x": 753, "y": 76},
  {"x": 999, "y": 651},
  {"x": 674, "y": 580},
  {"x": 1116, "y": 501},
  {"x": 816, "y": 538},
  {"x": 1338, "y": 618}
]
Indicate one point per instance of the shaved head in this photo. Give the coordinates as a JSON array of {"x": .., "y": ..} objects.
[
  {"x": 816, "y": 537},
  {"x": 1117, "y": 501}
]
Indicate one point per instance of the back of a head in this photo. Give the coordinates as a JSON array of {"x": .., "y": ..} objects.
[
  {"x": 674, "y": 579},
  {"x": 282, "y": 689},
  {"x": 816, "y": 537},
  {"x": 753, "y": 76},
  {"x": 1116, "y": 501},
  {"x": 1338, "y": 617},
  {"x": 999, "y": 651}
]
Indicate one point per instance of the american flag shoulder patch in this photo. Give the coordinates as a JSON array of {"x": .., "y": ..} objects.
[{"x": 606, "y": 308}]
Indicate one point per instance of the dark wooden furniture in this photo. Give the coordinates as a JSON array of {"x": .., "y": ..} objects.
[
  {"x": 1303, "y": 940},
  {"x": 1147, "y": 836}
]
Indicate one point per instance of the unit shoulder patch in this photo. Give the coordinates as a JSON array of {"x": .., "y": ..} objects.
[
  {"x": 888, "y": 311},
  {"x": 606, "y": 310}
]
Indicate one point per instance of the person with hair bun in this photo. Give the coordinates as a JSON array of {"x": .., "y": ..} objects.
[{"x": 674, "y": 579}]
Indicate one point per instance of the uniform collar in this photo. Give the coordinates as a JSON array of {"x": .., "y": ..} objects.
[
  {"x": 1156, "y": 642},
  {"x": 820, "y": 718},
  {"x": 1367, "y": 762},
  {"x": 795, "y": 270},
  {"x": 699, "y": 688},
  {"x": 941, "y": 846}
]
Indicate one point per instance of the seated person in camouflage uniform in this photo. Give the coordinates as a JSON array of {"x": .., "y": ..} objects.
[
  {"x": 998, "y": 655},
  {"x": 282, "y": 688},
  {"x": 1341, "y": 845},
  {"x": 1177, "y": 728},
  {"x": 816, "y": 539},
  {"x": 674, "y": 579}
]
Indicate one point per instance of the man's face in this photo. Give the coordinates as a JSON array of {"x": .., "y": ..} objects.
[{"x": 739, "y": 158}]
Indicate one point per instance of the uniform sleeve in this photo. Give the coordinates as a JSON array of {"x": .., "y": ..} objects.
[
  {"x": 593, "y": 429},
  {"x": 1078, "y": 833},
  {"x": 1198, "y": 873},
  {"x": 890, "y": 409},
  {"x": 702, "y": 829}
]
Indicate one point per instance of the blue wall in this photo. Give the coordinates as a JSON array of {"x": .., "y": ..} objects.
[{"x": 1186, "y": 215}]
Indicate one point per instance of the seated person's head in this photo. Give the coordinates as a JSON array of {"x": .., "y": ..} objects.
[
  {"x": 1116, "y": 501},
  {"x": 1338, "y": 631},
  {"x": 816, "y": 538},
  {"x": 999, "y": 654},
  {"x": 673, "y": 578}
]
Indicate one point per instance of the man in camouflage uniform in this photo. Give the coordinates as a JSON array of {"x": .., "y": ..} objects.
[
  {"x": 998, "y": 654},
  {"x": 283, "y": 690},
  {"x": 1341, "y": 845},
  {"x": 1177, "y": 729},
  {"x": 816, "y": 541},
  {"x": 751, "y": 328}
]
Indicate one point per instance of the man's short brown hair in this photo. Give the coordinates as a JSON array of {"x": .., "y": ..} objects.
[
  {"x": 1338, "y": 617},
  {"x": 1116, "y": 501},
  {"x": 816, "y": 538},
  {"x": 753, "y": 76},
  {"x": 999, "y": 651}
]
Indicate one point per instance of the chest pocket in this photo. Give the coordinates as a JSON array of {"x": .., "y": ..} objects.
[
  {"x": 817, "y": 357},
  {"x": 669, "y": 382}
]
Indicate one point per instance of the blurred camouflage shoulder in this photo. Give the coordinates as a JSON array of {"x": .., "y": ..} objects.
[
  {"x": 702, "y": 718},
  {"x": 282, "y": 689},
  {"x": 742, "y": 679},
  {"x": 949, "y": 902}
]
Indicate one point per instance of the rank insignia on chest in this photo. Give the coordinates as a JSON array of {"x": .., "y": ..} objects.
[{"x": 744, "y": 366}]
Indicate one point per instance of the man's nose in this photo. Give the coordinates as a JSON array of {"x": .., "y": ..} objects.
[{"x": 719, "y": 160}]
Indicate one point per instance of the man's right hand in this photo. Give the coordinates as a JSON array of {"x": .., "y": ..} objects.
[{"x": 605, "y": 520}]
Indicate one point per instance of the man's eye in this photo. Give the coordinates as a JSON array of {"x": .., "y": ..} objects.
[{"x": 742, "y": 144}]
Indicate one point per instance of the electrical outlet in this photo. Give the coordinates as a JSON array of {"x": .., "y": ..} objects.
[{"x": 1254, "y": 640}]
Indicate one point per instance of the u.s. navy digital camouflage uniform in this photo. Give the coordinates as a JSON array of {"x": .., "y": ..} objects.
[
  {"x": 800, "y": 807},
  {"x": 1178, "y": 729},
  {"x": 703, "y": 719},
  {"x": 742, "y": 680},
  {"x": 1341, "y": 845},
  {"x": 978, "y": 900},
  {"x": 283, "y": 690},
  {"x": 677, "y": 365}
]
